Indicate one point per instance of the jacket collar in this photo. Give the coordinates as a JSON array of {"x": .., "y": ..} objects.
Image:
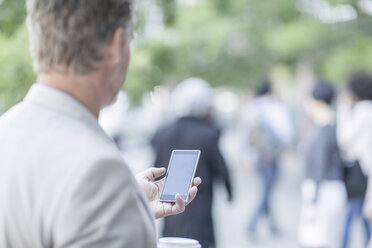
[{"x": 61, "y": 102}]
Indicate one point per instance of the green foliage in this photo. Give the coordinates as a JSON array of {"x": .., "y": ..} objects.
[
  {"x": 295, "y": 38},
  {"x": 169, "y": 8},
  {"x": 12, "y": 13},
  {"x": 342, "y": 61},
  {"x": 338, "y": 2},
  {"x": 16, "y": 74},
  {"x": 245, "y": 40},
  {"x": 234, "y": 43}
]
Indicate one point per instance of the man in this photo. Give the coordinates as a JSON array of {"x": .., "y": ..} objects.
[{"x": 63, "y": 183}]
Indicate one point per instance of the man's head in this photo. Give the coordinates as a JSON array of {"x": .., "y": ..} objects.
[
  {"x": 319, "y": 106},
  {"x": 76, "y": 41},
  {"x": 69, "y": 36},
  {"x": 264, "y": 88},
  {"x": 192, "y": 97},
  {"x": 323, "y": 92},
  {"x": 360, "y": 86}
]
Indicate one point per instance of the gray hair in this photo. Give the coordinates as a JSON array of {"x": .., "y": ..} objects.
[
  {"x": 69, "y": 35},
  {"x": 192, "y": 97}
]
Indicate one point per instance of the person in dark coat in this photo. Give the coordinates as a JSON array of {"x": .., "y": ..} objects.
[{"x": 195, "y": 131}]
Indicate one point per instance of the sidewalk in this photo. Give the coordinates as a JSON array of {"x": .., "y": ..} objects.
[{"x": 231, "y": 220}]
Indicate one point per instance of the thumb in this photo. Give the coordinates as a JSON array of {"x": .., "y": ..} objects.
[{"x": 153, "y": 173}]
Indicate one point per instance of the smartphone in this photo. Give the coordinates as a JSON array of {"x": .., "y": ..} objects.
[{"x": 180, "y": 174}]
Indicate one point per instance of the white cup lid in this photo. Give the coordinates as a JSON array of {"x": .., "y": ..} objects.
[{"x": 178, "y": 242}]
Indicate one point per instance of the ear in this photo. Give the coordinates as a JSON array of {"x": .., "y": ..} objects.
[{"x": 114, "y": 46}]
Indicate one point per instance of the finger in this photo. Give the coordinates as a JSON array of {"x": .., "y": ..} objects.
[
  {"x": 153, "y": 173},
  {"x": 197, "y": 181},
  {"x": 160, "y": 183},
  {"x": 192, "y": 194},
  {"x": 180, "y": 205},
  {"x": 166, "y": 210}
]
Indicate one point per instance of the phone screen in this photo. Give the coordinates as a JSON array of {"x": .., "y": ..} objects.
[{"x": 181, "y": 171}]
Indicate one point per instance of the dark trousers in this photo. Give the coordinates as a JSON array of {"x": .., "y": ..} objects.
[
  {"x": 354, "y": 209},
  {"x": 268, "y": 175}
]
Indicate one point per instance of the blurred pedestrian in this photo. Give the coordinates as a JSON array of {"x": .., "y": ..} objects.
[
  {"x": 63, "y": 182},
  {"x": 194, "y": 130},
  {"x": 354, "y": 133},
  {"x": 324, "y": 184},
  {"x": 270, "y": 129}
]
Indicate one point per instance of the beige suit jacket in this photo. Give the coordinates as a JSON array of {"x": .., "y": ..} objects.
[{"x": 63, "y": 183}]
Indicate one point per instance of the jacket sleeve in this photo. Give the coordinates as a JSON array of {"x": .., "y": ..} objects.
[
  {"x": 218, "y": 165},
  {"x": 104, "y": 208}
]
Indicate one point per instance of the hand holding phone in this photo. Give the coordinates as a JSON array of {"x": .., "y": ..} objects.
[{"x": 180, "y": 174}]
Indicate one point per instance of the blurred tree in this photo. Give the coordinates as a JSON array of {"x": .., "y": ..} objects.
[
  {"x": 169, "y": 11},
  {"x": 16, "y": 68},
  {"x": 222, "y": 5},
  {"x": 233, "y": 43},
  {"x": 12, "y": 14}
]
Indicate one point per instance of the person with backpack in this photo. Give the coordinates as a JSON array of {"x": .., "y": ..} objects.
[{"x": 269, "y": 130}]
